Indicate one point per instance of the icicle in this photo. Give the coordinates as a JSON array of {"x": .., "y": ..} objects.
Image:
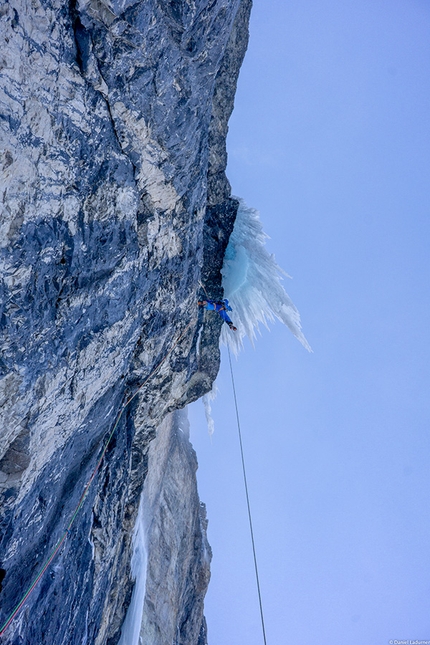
[
  {"x": 207, "y": 400},
  {"x": 130, "y": 632},
  {"x": 252, "y": 283}
]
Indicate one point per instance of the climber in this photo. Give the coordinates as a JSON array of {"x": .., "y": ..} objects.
[{"x": 221, "y": 306}]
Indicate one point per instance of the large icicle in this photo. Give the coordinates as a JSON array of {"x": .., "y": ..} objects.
[
  {"x": 130, "y": 632},
  {"x": 252, "y": 283},
  {"x": 207, "y": 402}
]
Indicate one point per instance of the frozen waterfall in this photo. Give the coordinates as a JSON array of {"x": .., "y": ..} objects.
[
  {"x": 130, "y": 632},
  {"x": 252, "y": 283}
]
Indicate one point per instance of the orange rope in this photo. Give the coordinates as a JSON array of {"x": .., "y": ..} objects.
[{"x": 60, "y": 542}]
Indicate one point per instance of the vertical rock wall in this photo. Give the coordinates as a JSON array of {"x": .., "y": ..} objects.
[
  {"x": 178, "y": 552},
  {"x": 114, "y": 203}
]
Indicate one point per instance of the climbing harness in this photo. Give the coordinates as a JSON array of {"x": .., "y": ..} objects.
[
  {"x": 60, "y": 542},
  {"x": 247, "y": 499},
  {"x": 220, "y": 306}
]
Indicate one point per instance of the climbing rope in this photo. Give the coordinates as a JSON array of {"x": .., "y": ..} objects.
[
  {"x": 247, "y": 499},
  {"x": 246, "y": 489},
  {"x": 60, "y": 542}
]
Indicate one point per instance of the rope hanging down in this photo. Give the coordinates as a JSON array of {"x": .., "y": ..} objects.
[
  {"x": 247, "y": 499},
  {"x": 60, "y": 542}
]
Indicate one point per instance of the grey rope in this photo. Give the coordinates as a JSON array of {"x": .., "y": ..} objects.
[{"x": 247, "y": 498}]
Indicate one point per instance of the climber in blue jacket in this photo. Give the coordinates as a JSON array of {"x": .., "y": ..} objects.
[{"x": 221, "y": 306}]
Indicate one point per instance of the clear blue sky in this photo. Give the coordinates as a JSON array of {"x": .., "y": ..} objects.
[{"x": 330, "y": 140}]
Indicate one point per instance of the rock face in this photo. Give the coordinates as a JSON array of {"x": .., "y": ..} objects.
[
  {"x": 173, "y": 612},
  {"x": 114, "y": 205}
]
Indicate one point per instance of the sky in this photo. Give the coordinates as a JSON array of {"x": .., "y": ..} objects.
[{"x": 329, "y": 140}]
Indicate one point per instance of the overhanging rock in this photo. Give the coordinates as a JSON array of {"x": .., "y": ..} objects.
[{"x": 114, "y": 205}]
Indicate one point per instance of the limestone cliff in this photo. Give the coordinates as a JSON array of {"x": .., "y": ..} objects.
[
  {"x": 114, "y": 204},
  {"x": 171, "y": 507}
]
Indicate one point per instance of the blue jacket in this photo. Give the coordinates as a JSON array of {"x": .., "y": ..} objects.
[{"x": 220, "y": 307}]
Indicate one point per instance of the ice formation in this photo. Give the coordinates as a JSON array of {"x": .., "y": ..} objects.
[
  {"x": 252, "y": 283},
  {"x": 207, "y": 402},
  {"x": 130, "y": 632}
]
